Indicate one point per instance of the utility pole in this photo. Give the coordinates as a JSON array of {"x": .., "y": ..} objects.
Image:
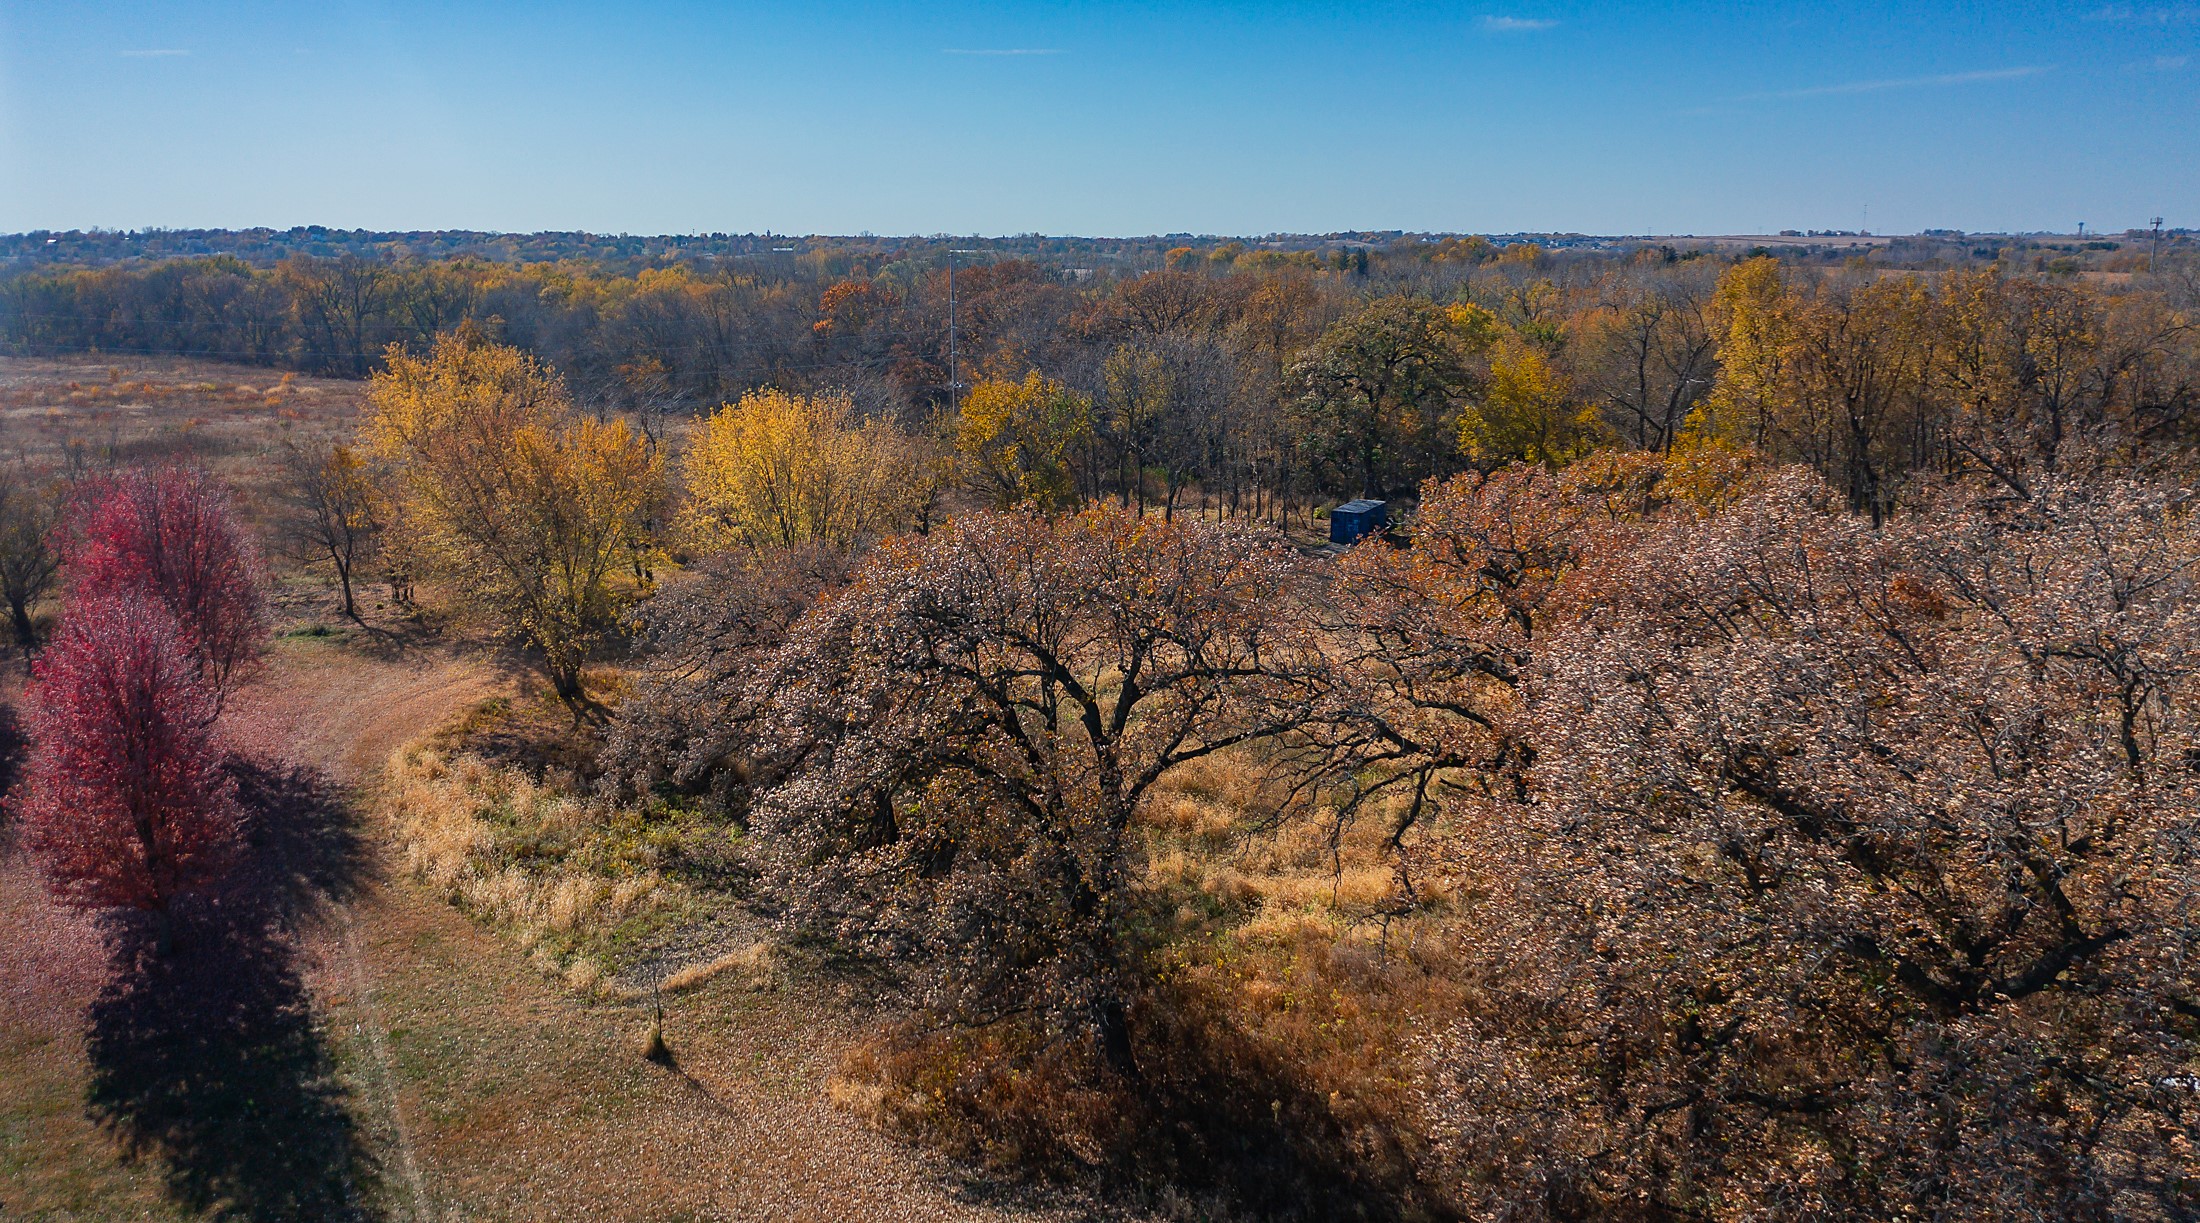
[
  {"x": 954, "y": 367},
  {"x": 2156, "y": 249}
]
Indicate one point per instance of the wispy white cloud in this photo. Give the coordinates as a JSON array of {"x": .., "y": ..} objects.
[
  {"x": 2168, "y": 63},
  {"x": 1906, "y": 82},
  {"x": 1517, "y": 25},
  {"x": 161, "y": 53},
  {"x": 2144, "y": 16},
  {"x": 1002, "y": 51}
]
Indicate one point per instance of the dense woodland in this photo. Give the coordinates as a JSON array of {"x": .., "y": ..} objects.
[{"x": 1759, "y": 775}]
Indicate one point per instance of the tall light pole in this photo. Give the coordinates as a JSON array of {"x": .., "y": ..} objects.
[
  {"x": 954, "y": 368},
  {"x": 2156, "y": 249}
]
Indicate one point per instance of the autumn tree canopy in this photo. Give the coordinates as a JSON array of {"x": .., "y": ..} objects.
[
  {"x": 968, "y": 727},
  {"x": 1017, "y": 439},
  {"x": 170, "y": 534},
  {"x": 527, "y": 509},
  {"x": 1379, "y": 392},
  {"x": 1840, "y": 870},
  {"x": 781, "y": 470}
]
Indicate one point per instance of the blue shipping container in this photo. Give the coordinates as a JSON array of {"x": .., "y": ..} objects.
[{"x": 1355, "y": 520}]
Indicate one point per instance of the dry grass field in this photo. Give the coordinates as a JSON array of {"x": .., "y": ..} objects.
[{"x": 231, "y": 419}]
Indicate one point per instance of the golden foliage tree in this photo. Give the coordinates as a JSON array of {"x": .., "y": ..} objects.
[
  {"x": 1751, "y": 316},
  {"x": 1835, "y": 375},
  {"x": 1017, "y": 438},
  {"x": 525, "y": 507},
  {"x": 779, "y": 470},
  {"x": 1528, "y": 412}
]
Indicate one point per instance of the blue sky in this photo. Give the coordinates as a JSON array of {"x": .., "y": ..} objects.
[{"x": 994, "y": 117}]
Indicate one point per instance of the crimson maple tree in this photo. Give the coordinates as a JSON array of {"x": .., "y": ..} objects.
[
  {"x": 125, "y": 803},
  {"x": 171, "y": 534}
]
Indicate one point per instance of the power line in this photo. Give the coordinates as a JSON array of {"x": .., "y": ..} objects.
[{"x": 954, "y": 369}]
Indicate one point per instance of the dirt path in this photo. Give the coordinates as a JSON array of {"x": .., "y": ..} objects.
[
  {"x": 382, "y": 1079},
  {"x": 508, "y": 1097}
]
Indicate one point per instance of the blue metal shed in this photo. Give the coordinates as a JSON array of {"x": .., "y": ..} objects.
[{"x": 1355, "y": 520}]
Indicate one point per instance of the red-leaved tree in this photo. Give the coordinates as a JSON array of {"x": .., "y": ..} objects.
[
  {"x": 125, "y": 803},
  {"x": 171, "y": 534}
]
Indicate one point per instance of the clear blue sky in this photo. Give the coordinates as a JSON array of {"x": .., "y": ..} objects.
[{"x": 831, "y": 117}]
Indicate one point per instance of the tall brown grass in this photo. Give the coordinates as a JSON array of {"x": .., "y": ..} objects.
[
  {"x": 1274, "y": 1040},
  {"x": 571, "y": 879}
]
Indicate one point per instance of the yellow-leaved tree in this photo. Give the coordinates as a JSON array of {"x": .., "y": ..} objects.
[
  {"x": 1753, "y": 316},
  {"x": 1527, "y": 412},
  {"x": 1017, "y": 438},
  {"x": 530, "y": 512},
  {"x": 779, "y": 469},
  {"x": 1832, "y": 373}
]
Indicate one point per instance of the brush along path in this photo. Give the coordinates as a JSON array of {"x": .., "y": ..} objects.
[{"x": 517, "y": 1099}]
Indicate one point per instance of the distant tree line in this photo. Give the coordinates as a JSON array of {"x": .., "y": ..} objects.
[{"x": 1243, "y": 380}]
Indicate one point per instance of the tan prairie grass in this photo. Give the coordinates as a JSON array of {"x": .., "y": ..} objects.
[
  {"x": 1296, "y": 947},
  {"x": 1217, "y": 827},
  {"x": 483, "y": 837},
  {"x": 757, "y": 964}
]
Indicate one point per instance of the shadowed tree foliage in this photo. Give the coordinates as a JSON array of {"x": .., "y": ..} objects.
[
  {"x": 31, "y": 508},
  {"x": 691, "y": 724},
  {"x": 1379, "y": 392}
]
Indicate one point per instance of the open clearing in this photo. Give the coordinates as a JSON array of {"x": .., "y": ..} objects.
[
  {"x": 515, "y": 1098},
  {"x": 471, "y": 1086}
]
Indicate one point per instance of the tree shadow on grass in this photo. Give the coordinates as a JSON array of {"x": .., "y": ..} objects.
[
  {"x": 203, "y": 1043},
  {"x": 1217, "y": 1123},
  {"x": 12, "y": 744}
]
